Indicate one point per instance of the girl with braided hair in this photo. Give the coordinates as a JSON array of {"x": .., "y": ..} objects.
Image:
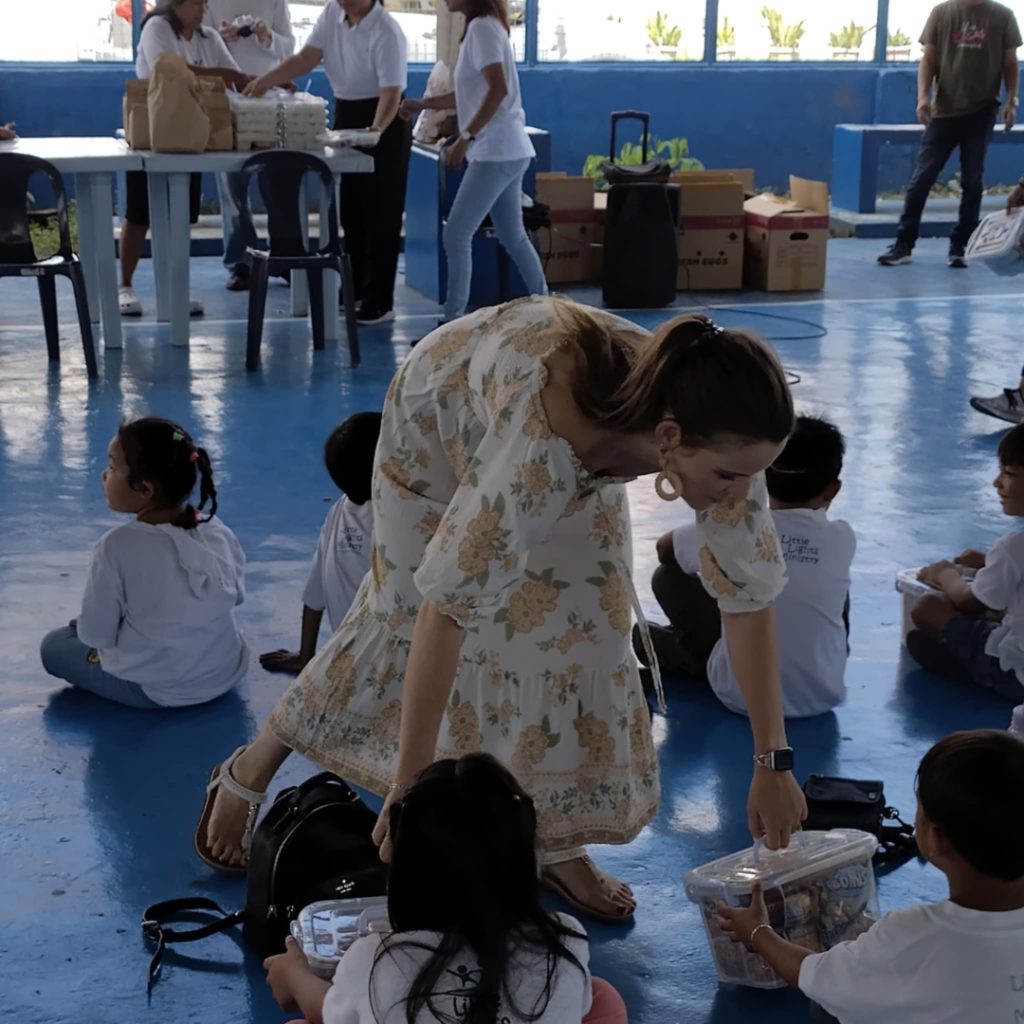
[{"x": 157, "y": 626}]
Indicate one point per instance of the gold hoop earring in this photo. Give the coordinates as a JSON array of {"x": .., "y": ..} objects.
[{"x": 673, "y": 479}]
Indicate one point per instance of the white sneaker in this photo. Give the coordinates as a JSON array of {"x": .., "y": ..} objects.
[
  {"x": 1008, "y": 406},
  {"x": 128, "y": 302},
  {"x": 195, "y": 308}
]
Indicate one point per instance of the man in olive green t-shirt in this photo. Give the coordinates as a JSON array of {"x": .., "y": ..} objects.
[{"x": 970, "y": 52}]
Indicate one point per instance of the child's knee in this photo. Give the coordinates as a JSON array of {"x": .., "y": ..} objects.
[
  {"x": 52, "y": 647},
  {"x": 931, "y": 612}
]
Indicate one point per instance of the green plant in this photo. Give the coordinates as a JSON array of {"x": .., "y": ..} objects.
[
  {"x": 726, "y": 34},
  {"x": 898, "y": 38},
  {"x": 849, "y": 37},
  {"x": 661, "y": 33},
  {"x": 782, "y": 35},
  {"x": 675, "y": 152},
  {"x": 43, "y": 230}
]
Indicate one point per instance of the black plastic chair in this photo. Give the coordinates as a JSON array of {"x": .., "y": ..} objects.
[
  {"x": 280, "y": 175},
  {"x": 18, "y": 255}
]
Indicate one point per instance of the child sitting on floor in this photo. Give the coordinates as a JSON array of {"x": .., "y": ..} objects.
[
  {"x": 955, "y": 961},
  {"x": 956, "y": 633},
  {"x": 157, "y": 626},
  {"x": 471, "y": 941},
  {"x": 812, "y": 613},
  {"x": 342, "y": 556}
]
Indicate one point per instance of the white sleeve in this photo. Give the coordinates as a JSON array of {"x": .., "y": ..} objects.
[
  {"x": 580, "y": 948},
  {"x": 157, "y": 37},
  {"x": 389, "y": 61},
  {"x": 318, "y": 37},
  {"x": 490, "y": 44},
  {"x": 351, "y": 985},
  {"x": 999, "y": 579},
  {"x": 221, "y": 54},
  {"x": 856, "y": 980},
  {"x": 102, "y": 603},
  {"x": 313, "y": 594},
  {"x": 283, "y": 44},
  {"x": 686, "y": 545}
]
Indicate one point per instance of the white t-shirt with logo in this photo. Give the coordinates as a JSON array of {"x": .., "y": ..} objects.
[
  {"x": 938, "y": 963},
  {"x": 249, "y": 53},
  {"x": 205, "y": 49},
  {"x": 159, "y": 606},
  {"x": 341, "y": 561},
  {"x": 809, "y": 622},
  {"x": 999, "y": 585},
  {"x": 362, "y": 59},
  {"x": 504, "y": 137},
  {"x": 349, "y": 997}
]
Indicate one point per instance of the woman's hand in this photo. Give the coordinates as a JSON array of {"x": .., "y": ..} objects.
[
  {"x": 257, "y": 86},
  {"x": 1015, "y": 200},
  {"x": 972, "y": 558},
  {"x": 382, "y": 830},
  {"x": 228, "y": 32},
  {"x": 410, "y": 108},
  {"x": 281, "y": 970},
  {"x": 455, "y": 154},
  {"x": 740, "y": 922},
  {"x": 775, "y": 807}
]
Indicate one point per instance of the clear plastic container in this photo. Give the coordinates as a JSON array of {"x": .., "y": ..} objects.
[
  {"x": 909, "y": 587},
  {"x": 820, "y": 891},
  {"x": 998, "y": 242},
  {"x": 325, "y": 930}
]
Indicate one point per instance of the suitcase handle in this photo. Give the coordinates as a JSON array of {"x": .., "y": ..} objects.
[{"x": 630, "y": 115}]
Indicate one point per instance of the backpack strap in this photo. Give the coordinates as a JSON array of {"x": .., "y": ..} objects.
[
  {"x": 154, "y": 918},
  {"x": 897, "y": 841}
]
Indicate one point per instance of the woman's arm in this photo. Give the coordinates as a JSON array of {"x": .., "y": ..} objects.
[
  {"x": 388, "y": 102},
  {"x": 497, "y": 90},
  {"x": 429, "y": 675},
  {"x": 230, "y": 77},
  {"x": 775, "y": 806},
  {"x": 301, "y": 64}
]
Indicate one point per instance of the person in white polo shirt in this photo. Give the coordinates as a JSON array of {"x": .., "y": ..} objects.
[
  {"x": 258, "y": 34},
  {"x": 493, "y": 138},
  {"x": 811, "y": 613},
  {"x": 363, "y": 50}
]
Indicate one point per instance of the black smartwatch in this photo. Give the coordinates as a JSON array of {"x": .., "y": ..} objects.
[{"x": 780, "y": 760}]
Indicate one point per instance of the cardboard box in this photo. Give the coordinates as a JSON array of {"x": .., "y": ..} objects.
[
  {"x": 711, "y": 230},
  {"x": 565, "y": 250},
  {"x": 787, "y": 240}
]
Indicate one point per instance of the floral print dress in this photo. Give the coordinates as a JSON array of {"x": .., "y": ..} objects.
[{"x": 481, "y": 508}]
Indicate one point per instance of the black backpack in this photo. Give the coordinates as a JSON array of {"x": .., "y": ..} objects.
[{"x": 314, "y": 843}]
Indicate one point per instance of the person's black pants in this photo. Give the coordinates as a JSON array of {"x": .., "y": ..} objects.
[
  {"x": 971, "y": 133},
  {"x": 372, "y": 205},
  {"x": 696, "y": 623}
]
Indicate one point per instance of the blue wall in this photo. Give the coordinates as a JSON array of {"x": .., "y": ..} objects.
[{"x": 777, "y": 119}]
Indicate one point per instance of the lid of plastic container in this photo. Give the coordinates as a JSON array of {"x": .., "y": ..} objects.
[
  {"x": 999, "y": 234},
  {"x": 808, "y": 853},
  {"x": 908, "y": 583}
]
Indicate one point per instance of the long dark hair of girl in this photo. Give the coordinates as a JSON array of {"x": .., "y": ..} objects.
[
  {"x": 487, "y": 9},
  {"x": 167, "y": 9},
  {"x": 161, "y": 453},
  {"x": 465, "y": 865}
]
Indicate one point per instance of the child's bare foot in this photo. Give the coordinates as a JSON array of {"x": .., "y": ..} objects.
[
  {"x": 582, "y": 884},
  {"x": 229, "y": 814}
]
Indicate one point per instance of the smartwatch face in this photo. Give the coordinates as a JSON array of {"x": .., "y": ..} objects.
[{"x": 783, "y": 760}]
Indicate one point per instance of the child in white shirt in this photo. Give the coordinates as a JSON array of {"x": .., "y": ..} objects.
[
  {"x": 811, "y": 614},
  {"x": 957, "y": 634},
  {"x": 471, "y": 941},
  {"x": 937, "y": 963},
  {"x": 342, "y": 556},
  {"x": 157, "y": 626}
]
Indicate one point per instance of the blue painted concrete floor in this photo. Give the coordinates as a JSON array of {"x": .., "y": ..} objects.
[{"x": 98, "y": 802}]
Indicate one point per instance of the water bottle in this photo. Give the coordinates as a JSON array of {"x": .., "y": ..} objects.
[{"x": 1017, "y": 722}]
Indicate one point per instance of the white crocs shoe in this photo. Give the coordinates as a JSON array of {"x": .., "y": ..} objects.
[{"x": 128, "y": 302}]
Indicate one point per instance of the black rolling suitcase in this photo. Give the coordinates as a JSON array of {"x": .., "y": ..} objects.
[{"x": 641, "y": 228}]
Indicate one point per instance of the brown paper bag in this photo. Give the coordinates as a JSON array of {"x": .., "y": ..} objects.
[
  {"x": 135, "y": 111},
  {"x": 177, "y": 121},
  {"x": 215, "y": 103}
]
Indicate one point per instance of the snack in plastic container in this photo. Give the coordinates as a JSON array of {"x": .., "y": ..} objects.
[
  {"x": 326, "y": 929},
  {"x": 820, "y": 891}
]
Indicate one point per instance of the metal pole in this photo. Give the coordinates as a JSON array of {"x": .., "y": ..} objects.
[
  {"x": 138, "y": 13},
  {"x": 530, "y": 14},
  {"x": 881, "y": 30},
  {"x": 711, "y": 30}
]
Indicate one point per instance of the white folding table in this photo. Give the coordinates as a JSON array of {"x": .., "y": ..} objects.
[
  {"x": 93, "y": 162},
  {"x": 168, "y": 175}
]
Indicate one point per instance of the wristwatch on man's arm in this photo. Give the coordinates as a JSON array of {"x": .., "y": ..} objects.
[{"x": 779, "y": 760}]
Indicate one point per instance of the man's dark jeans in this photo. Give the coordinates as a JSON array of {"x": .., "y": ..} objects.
[{"x": 943, "y": 134}]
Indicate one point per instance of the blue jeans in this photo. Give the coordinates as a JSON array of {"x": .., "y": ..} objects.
[
  {"x": 235, "y": 238},
  {"x": 971, "y": 133},
  {"x": 67, "y": 658},
  {"x": 495, "y": 187}
]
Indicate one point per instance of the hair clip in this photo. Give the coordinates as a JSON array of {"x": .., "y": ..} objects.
[
  {"x": 177, "y": 436},
  {"x": 193, "y": 456}
]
